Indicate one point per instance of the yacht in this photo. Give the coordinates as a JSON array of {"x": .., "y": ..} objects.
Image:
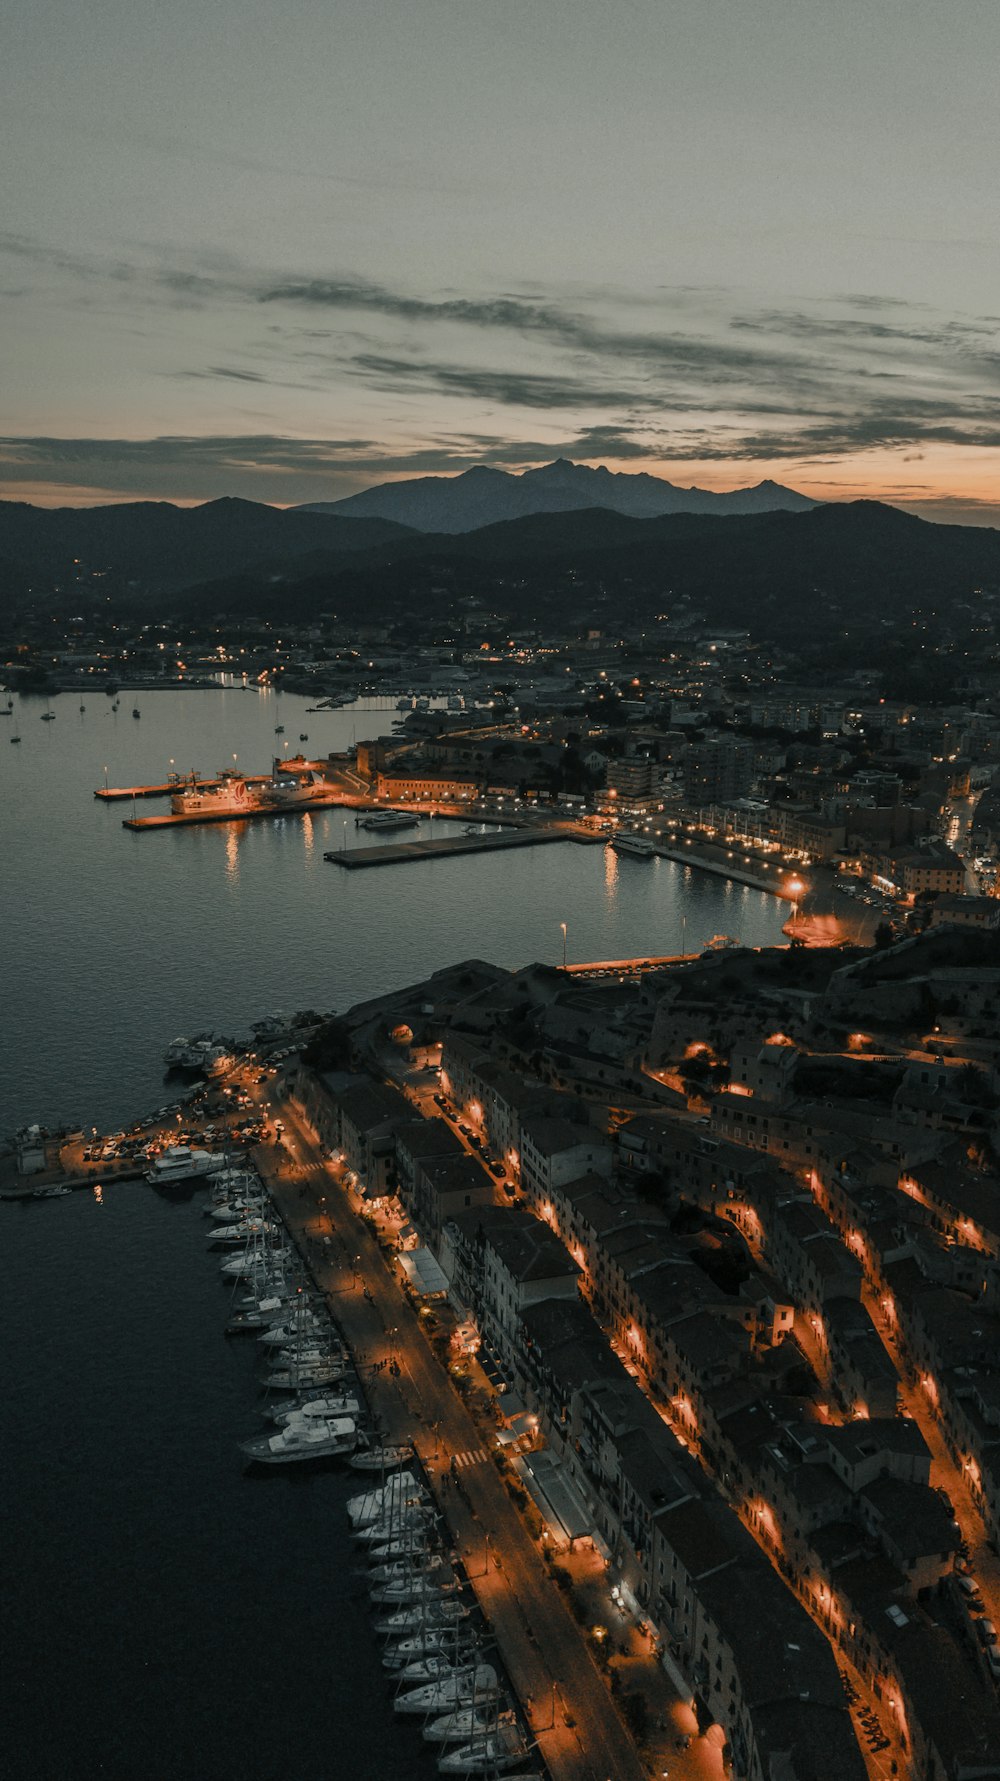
[
  {"x": 432, "y": 1642},
  {"x": 233, "y": 1211},
  {"x": 380, "y": 1459},
  {"x": 258, "y": 1265},
  {"x": 285, "y": 791},
  {"x": 300, "y": 1374},
  {"x": 497, "y": 1750},
  {"x": 637, "y": 847},
  {"x": 408, "y": 1544},
  {"x": 382, "y": 822},
  {"x": 369, "y": 1505},
  {"x": 408, "y": 1592},
  {"x": 465, "y": 1722},
  {"x": 180, "y": 1163},
  {"x": 238, "y": 1233},
  {"x": 324, "y": 1440},
  {"x": 406, "y": 1521},
  {"x": 333, "y": 1404},
  {"x": 308, "y": 1323},
  {"x": 421, "y": 1565},
  {"x": 423, "y": 1614},
  {"x": 468, "y": 1685}
]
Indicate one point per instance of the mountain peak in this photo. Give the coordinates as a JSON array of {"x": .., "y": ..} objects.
[{"x": 486, "y": 495}]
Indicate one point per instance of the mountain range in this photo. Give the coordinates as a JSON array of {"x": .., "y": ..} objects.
[{"x": 484, "y": 495}]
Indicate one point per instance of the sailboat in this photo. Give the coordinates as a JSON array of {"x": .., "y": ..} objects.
[
  {"x": 136, "y": 712},
  {"x": 48, "y": 715},
  {"x": 498, "y": 1749},
  {"x": 468, "y": 1685}
]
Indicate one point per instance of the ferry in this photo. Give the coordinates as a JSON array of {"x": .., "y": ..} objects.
[
  {"x": 638, "y": 847},
  {"x": 233, "y": 796},
  {"x": 381, "y": 821}
]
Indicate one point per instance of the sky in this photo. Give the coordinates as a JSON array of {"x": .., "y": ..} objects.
[{"x": 289, "y": 252}]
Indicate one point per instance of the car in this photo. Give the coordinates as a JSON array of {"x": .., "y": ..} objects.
[
  {"x": 986, "y": 1632},
  {"x": 497, "y": 1169},
  {"x": 993, "y": 1659}
]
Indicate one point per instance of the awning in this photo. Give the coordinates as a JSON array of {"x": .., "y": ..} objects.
[
  {"x": 424, "y": 1272},
  {"x": 554, "y": 1494}
]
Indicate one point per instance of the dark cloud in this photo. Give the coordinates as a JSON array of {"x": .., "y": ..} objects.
[{"x": 512, "y": 388}]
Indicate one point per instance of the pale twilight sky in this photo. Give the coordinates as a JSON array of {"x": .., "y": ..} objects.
[{"x": 286, "y": 252}]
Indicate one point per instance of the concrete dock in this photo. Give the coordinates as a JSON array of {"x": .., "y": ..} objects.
[
  {"x": 109, "y": 794},
  {"x": 403, "y": 852},
  {"x": 189, "y": 822}
]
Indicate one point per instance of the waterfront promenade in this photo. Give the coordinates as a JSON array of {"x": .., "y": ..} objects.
[{"x": 568, "y": 1707}]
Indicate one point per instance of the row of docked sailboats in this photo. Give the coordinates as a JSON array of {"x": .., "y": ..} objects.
[{"x": 433, "y": 1651}]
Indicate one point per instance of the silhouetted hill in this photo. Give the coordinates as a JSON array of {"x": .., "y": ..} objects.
[
  {"x": 783, "y": 575},
  {"x": 482, "y": 496},
  {"x": 161, "y": 545}
]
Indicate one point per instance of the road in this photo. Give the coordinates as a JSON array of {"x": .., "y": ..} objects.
[{"x": 542, "y": 1647}]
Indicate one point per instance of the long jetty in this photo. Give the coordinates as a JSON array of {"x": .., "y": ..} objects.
[
  {"x": 109, "y": 794},
  {"x": 449, "y": 847}
]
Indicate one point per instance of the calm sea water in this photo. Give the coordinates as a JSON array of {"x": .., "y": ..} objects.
[
  {"x": 115, "y": 942},
  {"x": 166, "y": 1615}
]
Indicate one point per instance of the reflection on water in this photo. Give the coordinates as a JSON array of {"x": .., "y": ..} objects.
[{"x": 115, "y": 942}]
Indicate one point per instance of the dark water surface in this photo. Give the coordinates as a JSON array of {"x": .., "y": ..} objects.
[
  {"x": 166, "y": 1616},
  {"x": 114, "y": 942}
]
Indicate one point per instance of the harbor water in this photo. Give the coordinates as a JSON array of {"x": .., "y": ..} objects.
[
  {"x": 165, "y": 1614},
  {"x": 116, "y": 942}
]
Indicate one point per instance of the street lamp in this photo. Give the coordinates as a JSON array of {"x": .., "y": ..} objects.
[
  {"x": 562, "y": 924},
  {"x": 795, "y": 887}
]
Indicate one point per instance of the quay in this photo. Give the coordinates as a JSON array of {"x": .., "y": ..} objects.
[
  {"x": 570, "y": 1714},
  {"x": 109, "y": 793},
  {"x": 449, "y": 847},
  {"x": 321, "y": 802}
]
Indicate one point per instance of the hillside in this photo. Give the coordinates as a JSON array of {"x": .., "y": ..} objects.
[{"x": 162, "y": 546}]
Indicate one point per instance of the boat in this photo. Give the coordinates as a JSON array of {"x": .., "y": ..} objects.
[
  {"x": 297, "y": 1375},
  {"x": 48, "y": 715},
  {"x": 232, "y": 795},
  {"x": 238, "y": 1233},
  {"x": 136, "y": 712},
  {"x": 637, "y": 847},
  {"x": 421, "y": 1565},
  {"x": 285, "y": 792},
  {"x": 450, "y": 1687},
  {"x": 51, "y": 1193},
  {"x": 202, "y": 1052},
  {"x": 408, "y": 1544},
  {"x": 83, "y": 707},
  {"x": 312, "y": 1323},
  {"x": 180, "y": 1163},
  {"x": 323, "y": 1440},
  {"x": 232, "y": 1211},
  {"x": 466, "y": 1722},
  {"x": 317, "y": 1409},
  {"x": 368, "y": 1505},
  {"x": 256, "y": 1266},
  {"x": 434, "y": 1641},
  {"x": 413, "y": 1519},
  {"x": 380, "y": 1459},
  {"x": 434, "y": 1666},
  {"x": 386, "y": 821},
  {"x": 423, "y": 1614},
  {"x": 303, "y": 736},
  {"x": 497, "y": 1750},
  {"x": 279, "y": 729}
]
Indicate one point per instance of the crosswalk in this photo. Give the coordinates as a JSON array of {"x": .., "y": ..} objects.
[{"x": 473, "y": 1456}]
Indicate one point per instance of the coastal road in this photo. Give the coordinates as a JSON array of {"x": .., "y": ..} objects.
[{"x": 543, "y": 1649}]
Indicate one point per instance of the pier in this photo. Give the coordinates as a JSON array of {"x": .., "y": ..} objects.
[
  {"x": 108, "y": 794},
  {"x": 449, "y": 847},
  {"x": 322, "y": 802}
]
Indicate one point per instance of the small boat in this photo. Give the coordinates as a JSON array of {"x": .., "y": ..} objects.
[
  {"x": 500, "y": 1749},
  {"x": 295, "y": 1377},
  {"x": 408, "y": 1545},
  {"x": 412, "y": 1592},
  {"x": 368, "y": 1505},
  {"x": 433, "y": 1642},
  {"x": 465, "y": 1686},
  {"x": 432, "y": 1614},
  {"x": 83, "y": 707},
  {"x": 434, "y": 1667},
  {"x": 325, "y": 1440},
  {"x": 463, "y": 1723},
  {"x": 394, "y": 1527},
  {"x": 279, "y": 729},
  {"x": 380, "y": 1459},
  {"x": 136, "y": 712},
  {"x": 48, "y": 717},
  {"x": 318, "y": 1409},
  {"x": 421, "y": 1566},
  {"x": 303, "y": 736},
  {"x": 51, "y": 1193}
]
